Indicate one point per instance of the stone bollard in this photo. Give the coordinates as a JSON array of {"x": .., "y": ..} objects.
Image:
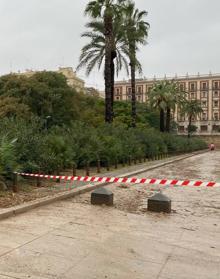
[
  {"x": 159, "y": 203},
  {"x": 102, "y": 196}
]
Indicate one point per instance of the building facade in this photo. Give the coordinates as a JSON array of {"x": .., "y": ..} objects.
[
  {"x": 72, "y": 79},
  {"x": 205, "y": 88}
]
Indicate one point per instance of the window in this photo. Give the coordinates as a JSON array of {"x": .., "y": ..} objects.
[
  {"x": 192, "y": 95},
  {"x": 149, "y": 88},
  {"x": 129, "y": 97},
  {"x": 139, "y": 98},
  {"x": 193, "y": 118},
  {"x": 216, "y": 94},
  {"x": 181, "y": 129},
  {"x": 182, "y": 87},
  {"x": 204, "y": 94},
  {"x": 117, "y": 91},
  {"x": 139, "y": 89},
  {"x": 216, "y": 116},
  {"x": 216, "y": 128},
  {"x": 181, "y": 117},
  {"x": 216, "y": 85},
  {"x": 204, "y": 104},
  {"x": 192, "y": 86},
  {"x": 204, "y": 85},
  {"x": 117, "y": 98},
  {"x": 215, "y": 104},
  {"x": 204, "y": 128},
  {"x": 129, "y": 90},
  {"x": 204, "y": 116}
]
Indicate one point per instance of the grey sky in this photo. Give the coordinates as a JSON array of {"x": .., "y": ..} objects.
[{"x": 44, "y": 34}]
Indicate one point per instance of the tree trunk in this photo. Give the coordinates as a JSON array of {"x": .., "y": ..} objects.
[
  {"x": 168, "y": 117},
  {"x": 133, "y": 86},
  {"x": 113, "y": 56},
  {"x": 189, "y": 126},
  {"x": 98, "y": 166},
  {"x": 108, "y": 72},
  {"x": 162, "y": 120}
]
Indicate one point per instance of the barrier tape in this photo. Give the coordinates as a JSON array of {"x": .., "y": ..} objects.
[{"x": 163, "y": 182}]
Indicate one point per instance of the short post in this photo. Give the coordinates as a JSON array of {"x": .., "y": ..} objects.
[
  {"x": 129, "y": 161},
  {"x": 15, "y": 182},
  {"x": 74, "y": 169},
  {"x": 98, "y": 166},
  {"x": 159, "y": 203},
  {"x": 107, "y": 166},
  {"x": 38, "y": 181},
  {"x": 102, "y": 196},
  {"x": 58, "y": 179},
  {"x": 87, "y": 169}
]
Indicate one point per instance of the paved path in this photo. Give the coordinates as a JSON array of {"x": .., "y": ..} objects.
[{"x": 74, "y": 240}]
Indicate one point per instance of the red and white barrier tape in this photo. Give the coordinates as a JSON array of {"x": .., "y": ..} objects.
[{"x": 163, "y": 182}]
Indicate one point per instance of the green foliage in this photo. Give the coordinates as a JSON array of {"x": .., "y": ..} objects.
[
  {"x": 7, "y": 157},
  {"x": 76, "y": 135}
]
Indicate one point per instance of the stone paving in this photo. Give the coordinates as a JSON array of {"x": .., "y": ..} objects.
[{"x": 74, "y": 240}]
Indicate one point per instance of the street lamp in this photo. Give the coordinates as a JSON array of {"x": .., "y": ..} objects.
[{"x": 46, "y": 121}]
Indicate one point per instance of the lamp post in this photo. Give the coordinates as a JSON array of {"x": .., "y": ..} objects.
[{"x": 46, "y": 121}]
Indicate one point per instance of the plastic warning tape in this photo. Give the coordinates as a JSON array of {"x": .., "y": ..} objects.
[{"x": 163, "y": 182}]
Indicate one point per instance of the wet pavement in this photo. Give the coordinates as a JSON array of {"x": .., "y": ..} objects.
[{"x": 72, "y": 239}]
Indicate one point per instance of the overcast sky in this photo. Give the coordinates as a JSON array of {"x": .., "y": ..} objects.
[{"x": 45, "y": 34}]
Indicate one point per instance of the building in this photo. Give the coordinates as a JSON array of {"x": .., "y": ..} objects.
[
  {"x": 91, "y": 91},
  {"x": 72, "y": 79},
  {"x": 205, "y": 88}
]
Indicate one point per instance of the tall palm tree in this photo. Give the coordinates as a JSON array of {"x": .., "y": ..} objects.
[
  {"x": 106, "y": 9},
  {"x": 191, "y": 108},
  {"x": 93, "y": 53},
  {"x": 158, "y": 100},
  {"x": 135, "y": 33}
]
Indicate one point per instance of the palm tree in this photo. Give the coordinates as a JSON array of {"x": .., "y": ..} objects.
[
  {"x": 192, "y": 108},
  {"x": 135, "y": 33},
  {"x": 93, "y": 53},
  {"x": 106, "y": 9},
  {"x": 158, "y": 100},
  {"x": 174, "y": 96}
]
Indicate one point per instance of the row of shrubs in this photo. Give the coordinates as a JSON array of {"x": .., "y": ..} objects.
[{"x": 30, "y": 147}]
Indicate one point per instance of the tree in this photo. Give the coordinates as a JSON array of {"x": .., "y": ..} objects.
[
  {"x": 105, "y": 9},
  {"x": 43, "y": 94},
  {"x": 158, "y": 101},
  {"x": 93, "y": 53},
  {"x": 174, "y": 96},
  {"x": 135, "y": 33},
  {"x": 192, "y": 108}
]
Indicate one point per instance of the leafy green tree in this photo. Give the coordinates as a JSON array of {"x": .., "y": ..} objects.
[
  {"x": 135, "y": 33},
  {"x": 43, "y": 94},
  {"x": 191, "y": 108}
]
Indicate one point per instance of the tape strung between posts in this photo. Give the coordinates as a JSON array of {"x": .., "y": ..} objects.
[{"x": 163, "y": 182}]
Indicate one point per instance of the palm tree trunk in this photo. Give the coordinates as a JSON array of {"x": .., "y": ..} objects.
[
  {"x": 113, "y": 56},
  {"x": 168, "y": 117},
  {"x": 189, "y": 126},
  {"x": 107, "y": 71},
  {"x": 162, "y": 120},
  {"x": 133, "y": 85}
]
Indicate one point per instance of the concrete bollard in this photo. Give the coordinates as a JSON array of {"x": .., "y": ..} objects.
[
  {"x": 159, "y": 203},
  {"x": 102, "y": 196}
]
